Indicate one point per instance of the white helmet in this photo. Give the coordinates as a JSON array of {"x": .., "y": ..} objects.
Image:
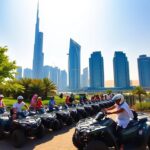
[
  {"x": 118, "y": 96},
  {"x": 20, "y": 97},
  {"x": 1, "y": 95}
]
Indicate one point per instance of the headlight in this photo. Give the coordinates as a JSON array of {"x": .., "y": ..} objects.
[
  {"x": 38, "y": 122},
  {"x": 24, "y": 125}
]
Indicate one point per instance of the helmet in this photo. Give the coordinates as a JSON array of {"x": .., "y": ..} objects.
[
  {"x": 20, "y": 97},
  {"x": 1, "y": 96},
  {"x": 118, "y": 96}
]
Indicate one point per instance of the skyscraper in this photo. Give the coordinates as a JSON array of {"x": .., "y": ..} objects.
[
  {"x": 144, "y": 70},
  {"x": 55, "y": 75},
  {"x": 121, "y": 70},
  {"x": 74, "y": 65},
  {"x": 27, "y": 73},
  {"x": 85, "y": 78},
  {"x": 96, "y": 69},
  {"x": 63, "y": 80},
  {"x": 46, "y": 72},
  {"x": 19, "y": 73},
  {"x": 38, "y": 57}
]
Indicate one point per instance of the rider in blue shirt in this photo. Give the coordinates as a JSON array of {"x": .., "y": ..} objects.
[{"x": 51, "y": 103}]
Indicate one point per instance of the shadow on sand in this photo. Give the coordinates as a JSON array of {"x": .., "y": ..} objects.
[{"x": 31, "y": 143}]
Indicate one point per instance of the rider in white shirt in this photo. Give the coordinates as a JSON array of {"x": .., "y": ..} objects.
[
  {"x": 122, "y": 110},
  {"x": 17, "y": 107}
]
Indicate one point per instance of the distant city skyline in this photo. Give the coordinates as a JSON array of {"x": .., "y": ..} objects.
[{"x": 102, "y": 25}]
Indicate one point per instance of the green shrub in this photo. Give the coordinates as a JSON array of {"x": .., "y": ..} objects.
[{"x": 144, "y": 106}]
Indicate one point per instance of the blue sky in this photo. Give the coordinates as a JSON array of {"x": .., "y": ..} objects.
[{"x": 104, "y": 25}]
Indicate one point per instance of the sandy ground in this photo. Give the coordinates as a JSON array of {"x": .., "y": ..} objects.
[{"x": 58, "y": 140}]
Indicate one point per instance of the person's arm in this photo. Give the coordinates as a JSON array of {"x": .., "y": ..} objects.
[
  {"x": 3, "y": 104},
  {"x": 41, "y": 104},
  {"x": 117, "y": 111},
  {"x": 111, "y": 108},
  {"x": 27, "y": 108}
]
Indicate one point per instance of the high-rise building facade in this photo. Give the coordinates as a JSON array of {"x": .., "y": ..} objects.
[
  {"x": 74, "y": 65},
  {"x": 27, "y": 73},
  {"x": 38, "y": 56},
  {"x": 46, "y": 72},
  {"x": 144, "y": 70},
  {"x": 85, "y": 78},
  {"x": 121, "y": 70},
  {"x": 63, "y": 80},
  {"x": 96, "y": 70},
  {"x": 19, "y": 73},
  {"x": 55, "y": 76}
]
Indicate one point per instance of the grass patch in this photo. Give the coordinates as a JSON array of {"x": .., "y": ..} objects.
[
  {"x": 10, "y": 101},
  {"x": 144, "y": 106}
]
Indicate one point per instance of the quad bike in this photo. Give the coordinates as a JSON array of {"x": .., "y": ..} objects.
[
  {"x": 49, "y": 120},
  {"x": 99, "y": 133},
  {"x": 20, "y": 128},
  {"x": 63, "y": 115},
  {"x": 75, "y": 114}
]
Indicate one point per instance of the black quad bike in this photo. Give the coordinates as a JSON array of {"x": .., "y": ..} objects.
[
  {"x": 75, "y": 114},
  {"x": 89, "y": 109},
  {"x": 49, "y": 120},
  {"x": 63, "y": 115},
  {"x": 81, "y": 110},
  {"x": 20, "y": 128},
  {"x": 99, "y": 133}
]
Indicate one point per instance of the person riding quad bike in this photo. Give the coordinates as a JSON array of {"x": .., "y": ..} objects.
[
  {"x": 123, "y": 112},
  {"x": 20, "y": 125},
  {"x": 17, "y": 107},
  {"x": 51, "y": 103},
  {"x": 102, "y": 133},
  {"x": 2, "y": 105},
  {"x": 33, "y": 102}
]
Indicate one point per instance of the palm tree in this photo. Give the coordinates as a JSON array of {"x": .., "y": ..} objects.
[
  {"x": 36, "y": 86},
  {"x": 49, "y": 87},
  {"x": 26, "y": 82},
  {"x": 108, "y": 92},
  {"x": 139, "y": 91}
]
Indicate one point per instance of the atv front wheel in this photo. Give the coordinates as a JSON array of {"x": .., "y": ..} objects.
[
  {"x": 148, "y": 144},
  {"x": 96, "y": 145},
  {"x": 1, "y": 133},
  {"x": 40, "y": 132},
  {"x": 56, "y": 125},
  {"x": 61, "y": 124},
  {"x": 18, "y": 138},
  {"x": 69, "y": 121},
  {"x": 77, "y": 143}
]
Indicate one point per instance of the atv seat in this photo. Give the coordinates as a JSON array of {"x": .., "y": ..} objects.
[
  {"x": 143, "y": 120},
  {"x": 132, "y": 123},
  {"x": 135, "y": 122}
]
